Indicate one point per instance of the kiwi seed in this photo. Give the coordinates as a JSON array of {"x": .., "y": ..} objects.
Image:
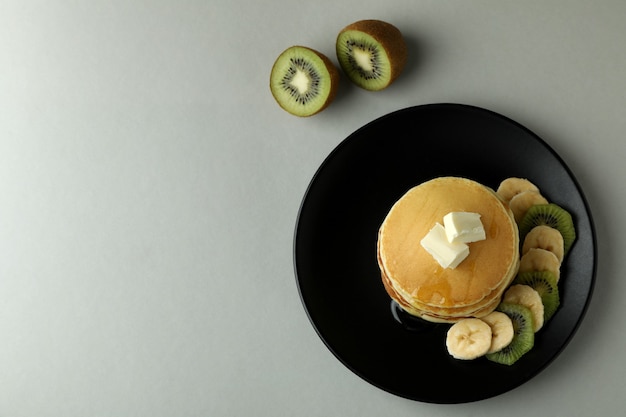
[
  {"x": 544, "y": 282},
  {"x": 550, "y": 215},
  {"x": 523, "y": 334},
  {"x": 372, "y": 53},
  {"x": 303, "y": 81}
]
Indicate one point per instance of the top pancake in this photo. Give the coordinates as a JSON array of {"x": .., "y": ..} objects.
[{"x": 409, "y": 266}]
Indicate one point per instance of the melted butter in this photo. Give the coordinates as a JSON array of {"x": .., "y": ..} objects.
[{"x": 494, "y": 230}]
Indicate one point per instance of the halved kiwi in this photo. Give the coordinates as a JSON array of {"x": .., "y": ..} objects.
[
  {"x": 303, "y": 81},
  {"x": 551, "y": 215},
  {"x": 545, "y": 283},
  {"x": 372, "y": 53},
  {"x": 523, "y": 334}
]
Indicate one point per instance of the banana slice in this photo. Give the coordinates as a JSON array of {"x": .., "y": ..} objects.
[
  {"x": 513, "y": 186},
  {"x": 544, "y": 237},
  {"x": 536, "y": 259},
  {"x": 468, "y": 339},
  {"x": 520, "y": 203},
  {"x": 528, "y": 297},
  {"x": 501, "y": 330}
]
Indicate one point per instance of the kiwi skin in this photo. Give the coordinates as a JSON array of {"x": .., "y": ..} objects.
[
  {"x": 391, "y": 40},
  {"x": 333, "y": 74}
]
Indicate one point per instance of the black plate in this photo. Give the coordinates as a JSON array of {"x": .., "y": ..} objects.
[{"x": 335, "y": 247}]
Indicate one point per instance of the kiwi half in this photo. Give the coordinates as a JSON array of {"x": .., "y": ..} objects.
[
  {"x": 372, "y": 53},
  {"x": 523, "y": 334},
  {"x": 550, "y": 215},
  {"x": 544, "y": 282},
  {"x": 303, "y": 81}
]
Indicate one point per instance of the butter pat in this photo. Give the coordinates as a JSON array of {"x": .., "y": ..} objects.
[
  {"x": 463, "y": 227},
  {"x": 448, "y": 254}
]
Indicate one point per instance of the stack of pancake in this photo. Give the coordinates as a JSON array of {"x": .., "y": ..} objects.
[{"x": 416, "y": 281}]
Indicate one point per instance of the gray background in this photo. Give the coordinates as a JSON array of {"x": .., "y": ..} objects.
[{"x": 149, "y": 187}]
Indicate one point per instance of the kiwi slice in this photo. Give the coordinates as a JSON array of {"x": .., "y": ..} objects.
[
  {"x": 544, "y": 282},
  {"x": 372, "y": 53},
  {"x": 523, "y": 334},
  {"x": 303, "y": 81},
  {"x": 550, "y": 215}
]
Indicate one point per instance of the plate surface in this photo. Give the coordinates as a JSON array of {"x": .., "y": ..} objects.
[{"x": 335, "y": 247}]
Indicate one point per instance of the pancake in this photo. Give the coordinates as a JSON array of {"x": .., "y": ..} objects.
[{"x": 415, "y": 279}]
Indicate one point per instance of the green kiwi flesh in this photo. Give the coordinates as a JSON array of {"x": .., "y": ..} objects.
[
  {"x": 303, "y": 81},
  {"x": 372, "y": 53},
  {"x": 550, "y": 215},
  {"x": 544, "y": 282},
  {"x": 523, "y": 334}
]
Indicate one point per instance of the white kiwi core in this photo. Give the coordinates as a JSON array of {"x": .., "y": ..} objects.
[
  {"x": 301, "y": 81},
  {"x": 363, "y": 59}
]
